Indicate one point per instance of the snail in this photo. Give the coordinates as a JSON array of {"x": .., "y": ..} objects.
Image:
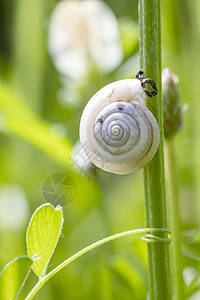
[{"x": 118, "y": 132}]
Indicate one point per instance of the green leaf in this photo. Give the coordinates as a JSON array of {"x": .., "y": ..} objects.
[
  {"x": 13, "y": 276},
  {"x": 42, "y": 235}
]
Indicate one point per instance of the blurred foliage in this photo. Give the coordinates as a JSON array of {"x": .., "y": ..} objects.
[
  {"x": 39, "y": 120},
  {"x": 13, "y": 276}
]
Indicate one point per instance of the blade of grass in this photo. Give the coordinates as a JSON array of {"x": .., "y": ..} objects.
[{"x": 175, "y": 220}]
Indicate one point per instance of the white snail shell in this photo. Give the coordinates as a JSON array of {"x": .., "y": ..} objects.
[{"x": 117, "y": 131}]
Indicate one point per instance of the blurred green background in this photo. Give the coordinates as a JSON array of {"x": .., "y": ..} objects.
[{"x": 40, "y": 112}]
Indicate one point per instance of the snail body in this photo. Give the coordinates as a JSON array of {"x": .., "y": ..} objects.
[{"x": 118, "y": 132}]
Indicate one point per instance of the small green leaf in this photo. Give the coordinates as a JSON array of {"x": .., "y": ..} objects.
[
  {"x": 13, "y": 276},
  {"x": 42, "y": 235}
]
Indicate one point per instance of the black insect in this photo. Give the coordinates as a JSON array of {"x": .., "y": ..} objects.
[{"x": 144, "y": 81}]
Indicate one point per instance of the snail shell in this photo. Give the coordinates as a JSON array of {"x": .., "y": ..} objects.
[{"x": 117, "y": 131}]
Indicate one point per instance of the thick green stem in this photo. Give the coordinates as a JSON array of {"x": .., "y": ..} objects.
[
  {"x": 154, "y": 179},
  {"x": 175, "y": 220}
]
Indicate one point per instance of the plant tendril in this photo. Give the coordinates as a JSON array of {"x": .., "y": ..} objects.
[{"x": 149, "y": 237}]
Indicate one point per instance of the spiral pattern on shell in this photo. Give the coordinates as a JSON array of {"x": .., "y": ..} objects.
[{"x": 117, "y": 131}]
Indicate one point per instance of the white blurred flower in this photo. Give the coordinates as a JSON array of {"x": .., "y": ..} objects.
[
  {"x": 81, "y": 32},
  {"x": 189, "y": 274},
  {"x": 14, "y": 209}
]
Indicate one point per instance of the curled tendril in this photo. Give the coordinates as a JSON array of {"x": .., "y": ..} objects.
[{"x": 153, "y": 238}]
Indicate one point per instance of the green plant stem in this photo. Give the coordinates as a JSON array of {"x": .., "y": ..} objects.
[
  {"x": 175, "y": 220},
  {"x": 44, "y": 279},
  {"x": 154, "y": 179}
]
